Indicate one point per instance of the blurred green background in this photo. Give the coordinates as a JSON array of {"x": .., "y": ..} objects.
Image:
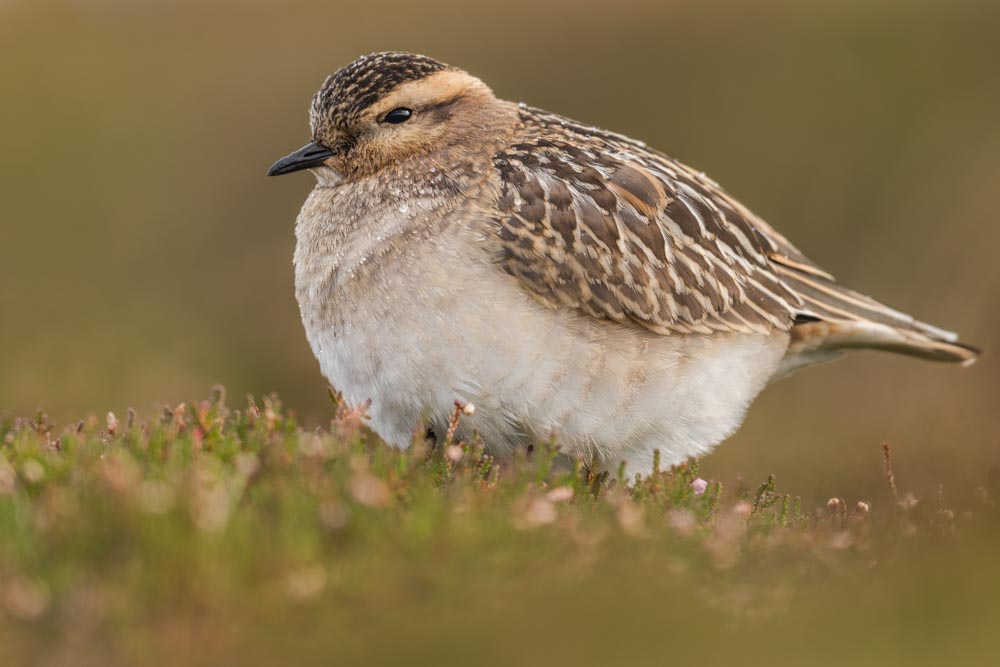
[{"x": 144, "y": 255}]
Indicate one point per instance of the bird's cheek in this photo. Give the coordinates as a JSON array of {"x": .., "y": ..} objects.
[{"x": 326, "y": 176}]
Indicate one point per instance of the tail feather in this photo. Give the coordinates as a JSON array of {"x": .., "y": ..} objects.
[
  {"x": 821, "y": 336},
  {"x": 835, "y": 318}
]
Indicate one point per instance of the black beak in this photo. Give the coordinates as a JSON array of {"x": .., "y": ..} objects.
[{"x": 310, "y": 155}]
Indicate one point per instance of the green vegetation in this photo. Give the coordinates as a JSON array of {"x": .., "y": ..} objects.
[{"x": 211, "y": 535}]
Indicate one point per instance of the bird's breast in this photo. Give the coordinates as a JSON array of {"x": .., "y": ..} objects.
[{"x": 414, "y": 319}]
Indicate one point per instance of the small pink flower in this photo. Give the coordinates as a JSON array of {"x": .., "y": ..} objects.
[
  {"x": 560, "y": 494},
  {"x": 700, "y": 486}
]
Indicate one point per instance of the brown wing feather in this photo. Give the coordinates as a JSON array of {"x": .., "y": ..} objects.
[
  {"x": 593, "y": 221},
  {"x": 598, "y": 222}
]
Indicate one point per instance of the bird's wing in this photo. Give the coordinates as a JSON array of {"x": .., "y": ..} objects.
[
  {"x": 598, "y": 222},
  {"x": 590, "y": 220}
]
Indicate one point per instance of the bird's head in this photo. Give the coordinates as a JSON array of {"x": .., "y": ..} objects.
[{"x": 387, "y": 107}]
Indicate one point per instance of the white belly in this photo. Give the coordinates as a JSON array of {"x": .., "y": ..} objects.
[{"x": 443, "y": 325}]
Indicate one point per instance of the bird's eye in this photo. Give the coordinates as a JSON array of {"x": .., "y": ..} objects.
[{"x": 398, "y": 115}]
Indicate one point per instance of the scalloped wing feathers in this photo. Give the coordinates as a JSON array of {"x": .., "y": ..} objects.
[{"x": 597, "y": 222}]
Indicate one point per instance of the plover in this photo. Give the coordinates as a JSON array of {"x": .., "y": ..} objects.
[{"x": 566, "y": 280}]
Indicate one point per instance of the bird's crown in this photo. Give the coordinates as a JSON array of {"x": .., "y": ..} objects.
[{"x": 355, "y": 87}]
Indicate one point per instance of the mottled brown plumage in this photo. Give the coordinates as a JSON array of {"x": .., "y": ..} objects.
[
  {"x": 596, "y": 221},
  {"x": 562, "y": 278}
]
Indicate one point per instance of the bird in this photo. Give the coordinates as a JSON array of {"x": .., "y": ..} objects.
[{"x": 570, "y": 283}]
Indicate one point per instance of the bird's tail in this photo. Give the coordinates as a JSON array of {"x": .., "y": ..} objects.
[{"x": 835, "y": 318}]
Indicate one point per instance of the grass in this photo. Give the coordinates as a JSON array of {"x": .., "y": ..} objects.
[{"x": 210, "y": 535}]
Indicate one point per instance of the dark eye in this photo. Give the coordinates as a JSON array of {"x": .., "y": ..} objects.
[{"x": 397, "y": 116}]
